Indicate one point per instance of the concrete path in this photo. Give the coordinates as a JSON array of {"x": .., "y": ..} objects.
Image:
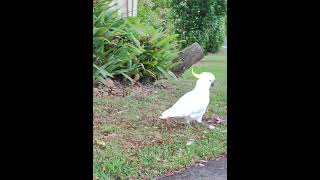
[{"x": 212, "y": 170}]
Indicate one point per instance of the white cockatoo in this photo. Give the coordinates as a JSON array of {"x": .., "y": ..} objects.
[{"x": 193, "y": 105}]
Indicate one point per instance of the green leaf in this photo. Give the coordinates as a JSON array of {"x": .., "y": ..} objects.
[
  {"x": 152, "y": 74},
  {"x": 164, "y": 72},
  {"x": 136, "y": 49},
  {"x": 172, "y": 75},
  {"x": 101, "y": 71},
  {"x": 135, "y": 40},
  {"x": 99, "y": 31},
  {"x": 129, "y": 63},
  {"x": 128, "y": 77}
]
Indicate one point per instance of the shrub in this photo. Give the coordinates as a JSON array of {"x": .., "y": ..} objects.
[
  {"x": 200, "y": 21},
  {"x": 156, "y": 13},
  {"x": 125, "y": 48},
  {"x": 161, "y": 50}
]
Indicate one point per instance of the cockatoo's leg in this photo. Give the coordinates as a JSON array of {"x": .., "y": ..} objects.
[
  {"x": 204, "y": 125},
  {"x": 188, "y": 123},
  {"x": 199, "y": 120}
]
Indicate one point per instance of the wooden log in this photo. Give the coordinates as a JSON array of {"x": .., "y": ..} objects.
[{"x": 189, "y": 56}]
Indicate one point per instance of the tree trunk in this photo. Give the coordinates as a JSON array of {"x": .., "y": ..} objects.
[{"x": 189, "y": 56}]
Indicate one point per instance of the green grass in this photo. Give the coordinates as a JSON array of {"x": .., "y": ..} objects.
[{"x": 131, "y": 142}]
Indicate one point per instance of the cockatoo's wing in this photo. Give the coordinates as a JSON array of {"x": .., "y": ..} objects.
[{"x": 188, "y": 104}]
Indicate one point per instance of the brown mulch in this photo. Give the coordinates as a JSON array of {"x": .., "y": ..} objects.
[
  {"x": 107, "y": 88},
  {"x": 111, "y": 87}
]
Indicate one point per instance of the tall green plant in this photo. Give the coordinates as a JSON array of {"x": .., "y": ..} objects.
[
  {"x": 124, "y": 48},
  {"x": 161, "y": 52},
  {"x": 114, "y": 47},
  {"x": 200, "y": 21}
]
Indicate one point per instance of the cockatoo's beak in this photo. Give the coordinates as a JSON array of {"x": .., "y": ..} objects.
[{"x": 195, "y": 75}]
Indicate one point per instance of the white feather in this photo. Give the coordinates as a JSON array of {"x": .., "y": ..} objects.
[{"x": 192, "y": 105}]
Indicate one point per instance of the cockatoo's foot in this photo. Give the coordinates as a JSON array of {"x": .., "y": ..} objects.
[
  {"x": 201, "y": 124},
  {"x": 188, "y": 124}
]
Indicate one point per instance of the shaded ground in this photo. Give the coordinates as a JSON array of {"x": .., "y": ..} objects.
[{"x": 211, "y": 170}]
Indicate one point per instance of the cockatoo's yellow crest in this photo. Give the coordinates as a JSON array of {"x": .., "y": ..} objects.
[{"x": 195, "y": 75}]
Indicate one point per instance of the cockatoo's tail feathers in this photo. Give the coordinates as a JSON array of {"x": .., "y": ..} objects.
[
  {"x": 163, "y": 115},
  {"x": 167, "y": 114}
]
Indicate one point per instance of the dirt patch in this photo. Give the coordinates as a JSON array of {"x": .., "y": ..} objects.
[
  {"x": 108, "y": 87},
  {"x": 140, "y": 90},
  {"x": 163, "y": 84}
]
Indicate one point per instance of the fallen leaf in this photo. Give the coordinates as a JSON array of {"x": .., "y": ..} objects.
[
  {"x": 203, "y": 161},
  {"x": 101, "y": 143},
  {"x": 112, "y": 135},
  {"x": 200, "y": 164},
  {"x": 189, "y": 143}
]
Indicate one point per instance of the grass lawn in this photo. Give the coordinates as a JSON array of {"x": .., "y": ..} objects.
[{"x": 131, "y": 142}]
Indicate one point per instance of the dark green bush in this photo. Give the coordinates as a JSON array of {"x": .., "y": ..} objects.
[
  {"x": 125, "y": 48},
  {"x": 200, "y": 21}
]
